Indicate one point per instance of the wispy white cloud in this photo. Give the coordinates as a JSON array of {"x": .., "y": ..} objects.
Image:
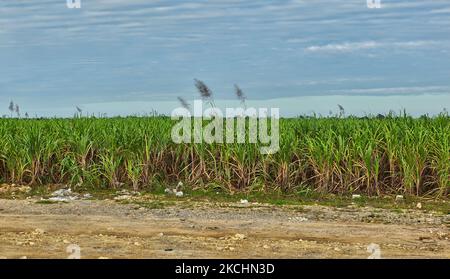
[
  {"x": 441, "y": 11},
  {"x": 356, "y": 46},
  {"x": 411, "y": 90}
]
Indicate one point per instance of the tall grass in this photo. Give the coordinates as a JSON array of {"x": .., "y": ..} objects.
[{"x": 334, "y": 155}]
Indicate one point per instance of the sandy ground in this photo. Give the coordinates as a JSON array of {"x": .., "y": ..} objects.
[{"x": 108, "y": 229}]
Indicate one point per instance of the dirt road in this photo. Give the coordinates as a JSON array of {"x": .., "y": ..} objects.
[{"x": 109, "y": 229}]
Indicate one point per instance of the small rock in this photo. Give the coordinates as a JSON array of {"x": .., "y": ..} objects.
[
  {"x": 65, "y": 241},
  {"x": 419, "y": 205},
  {"x": 356, "y": 196},
  {"x": 39, "y": 231},
  {"x": 137, "y": 244},
  {"x": 161, "y": 234},
  {"x": 23, "y": 258},
  {"x": 425, "y": 238},
  {"x": 103, "y": 258},
  {"x": 442, "y": 235},
  {"x": 31, "y": 243},
  {"x": 240, "y": 236},
  {"x": 231, "y": 248},
  {"x": 337, "y": 249},
  {"x": 399, "y": 198},
  {"x": 266, "y": 247},
  {"x": 244, "y": 201}
]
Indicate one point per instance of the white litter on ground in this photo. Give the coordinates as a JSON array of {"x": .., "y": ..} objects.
[
  {"x": 63, "y": 195},
  {"x": 66, "y": 195},
  {"x": 177, "y": 192}
]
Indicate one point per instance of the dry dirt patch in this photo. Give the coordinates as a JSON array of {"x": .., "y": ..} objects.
[{"x": 205, "y": 230}]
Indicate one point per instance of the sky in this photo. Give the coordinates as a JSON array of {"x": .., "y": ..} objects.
[{"x": 303, "y": 56}]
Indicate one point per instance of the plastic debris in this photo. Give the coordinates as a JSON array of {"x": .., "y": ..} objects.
[
  {"x": 179, "y": 194},
  {"x": 62, "y": 192},
  {"x": 66, "y": 195},
  {"x": 63, "y": 195},
  {"x": 177, "y": 191}
]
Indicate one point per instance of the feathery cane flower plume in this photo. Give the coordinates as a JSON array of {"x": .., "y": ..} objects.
[
  {"x": 17, "y": 110},
  {"x": 11, "y": 107},
  {"x": 341, "y": 111},
  {"x": 205, "y": 91},
  {"x": 240, "y": 94},
  {"x": 184, "y": 103}
]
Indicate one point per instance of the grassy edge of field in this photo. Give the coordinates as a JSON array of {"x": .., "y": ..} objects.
[{"x": 157, "y": 198}]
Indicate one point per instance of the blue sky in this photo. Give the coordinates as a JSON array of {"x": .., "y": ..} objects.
[{"x": 132, "y": 56}]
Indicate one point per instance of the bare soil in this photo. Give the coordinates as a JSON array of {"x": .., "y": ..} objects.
[{"x": 182, "y": 229}]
